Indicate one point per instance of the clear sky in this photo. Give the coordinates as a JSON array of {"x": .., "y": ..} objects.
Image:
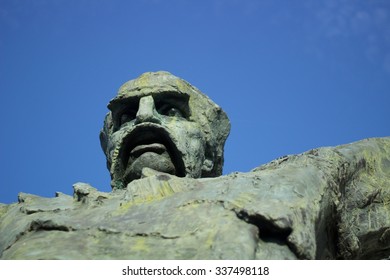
[{"x": 291, "y": 75}]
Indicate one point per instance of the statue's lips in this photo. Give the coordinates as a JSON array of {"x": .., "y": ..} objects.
[
  {"x": 150, "y": 137},
  {"x": 157, "y": 148}
]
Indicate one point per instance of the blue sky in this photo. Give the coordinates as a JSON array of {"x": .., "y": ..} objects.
[{"x": 291, "y": 75}]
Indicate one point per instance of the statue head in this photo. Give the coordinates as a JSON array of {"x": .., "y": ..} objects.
[{"x": 162, "y": 122}]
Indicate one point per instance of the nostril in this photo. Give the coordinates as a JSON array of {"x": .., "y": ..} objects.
[
  {"x": 141, "y": 117},
  {"x": 148, "y": 117}
]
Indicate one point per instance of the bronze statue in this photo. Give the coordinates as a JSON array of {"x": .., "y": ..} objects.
[
  {"x": 164, "y": 141},
  {"x": 162, "y": 122}
]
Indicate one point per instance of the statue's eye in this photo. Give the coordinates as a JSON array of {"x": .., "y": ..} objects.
[
  {"x": 170, "y": 111},
  {"x": 126, "y": 117},
  {"x": 174, "y": 112}
]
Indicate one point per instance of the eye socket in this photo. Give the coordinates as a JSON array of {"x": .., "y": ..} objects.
[
  {"x": 174, "y": 112},
  {"x": 172, "y": 104},
  {"x": 127, "y": 117},
  {"x": 170, "y": 111}
]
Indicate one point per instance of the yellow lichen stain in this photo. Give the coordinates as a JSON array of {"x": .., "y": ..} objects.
[
  {"x": 124, "y": 207},
  {"x": 195, "y": 204},
  {"x": 142, "y": 81},
  {"x": 242, "y": 200},
  {"x": 209, "y": 242},
  {"x": 135, "y": 201},
  {"x": 140, "y": 245},
  {"x": 163, "y": 190},
  {"x": 181, "y": 86},
  {"x": 3, "y": 209}
]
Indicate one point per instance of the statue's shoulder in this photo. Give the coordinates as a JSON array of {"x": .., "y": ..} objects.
[{"x": 3, "y": 209}]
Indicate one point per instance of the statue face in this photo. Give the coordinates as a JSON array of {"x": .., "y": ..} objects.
[
  {"x": 161, "y": 122},
  {"x": 155, "y": 131}
]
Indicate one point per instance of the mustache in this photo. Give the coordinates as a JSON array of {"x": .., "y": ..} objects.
[{"x": 147, "y": 134}]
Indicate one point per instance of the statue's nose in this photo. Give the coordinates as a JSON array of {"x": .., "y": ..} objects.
[{"x": 147, "y": 111}]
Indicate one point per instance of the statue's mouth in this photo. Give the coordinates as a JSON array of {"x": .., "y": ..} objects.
[
  {"x": 149, "y": 139},
  {"x": 157, "y": 148}
]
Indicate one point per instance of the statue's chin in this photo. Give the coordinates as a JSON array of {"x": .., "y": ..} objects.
[{"x": 159, "y": 162}]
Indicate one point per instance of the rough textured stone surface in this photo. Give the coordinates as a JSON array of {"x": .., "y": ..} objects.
[{"x": 326, "y": 203}]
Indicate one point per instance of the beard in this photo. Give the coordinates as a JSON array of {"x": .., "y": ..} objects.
[{"x": 161, "y": 162}]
